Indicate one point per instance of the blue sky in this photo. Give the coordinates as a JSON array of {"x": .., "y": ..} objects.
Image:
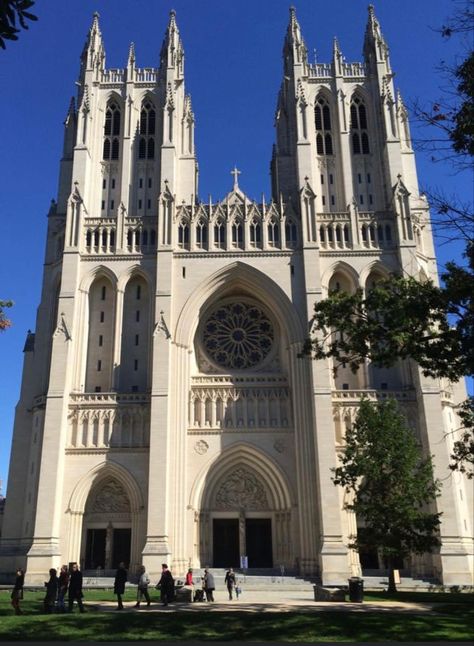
[{"x": 233, "y": 70}]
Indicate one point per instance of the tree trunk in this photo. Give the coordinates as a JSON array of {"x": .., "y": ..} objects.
[{"x": 392, "y": 588}]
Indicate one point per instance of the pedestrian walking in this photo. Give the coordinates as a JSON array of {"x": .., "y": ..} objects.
[
  {"x": 142, "y": 589},
  {"x": 52, "y": 587},
  {"x": 121, "y": 577},
  {"x": 166, "y": 585},
  {"x": 63, "y": 586},
  {"x": 230, "y": 582},
  {"x": 75, "y": 588},
  {"x": 209, "y": 585},
  {"x": 17, "y": 592}
]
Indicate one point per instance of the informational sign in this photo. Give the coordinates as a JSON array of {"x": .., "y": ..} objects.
[{"x": 244, "y": 562}]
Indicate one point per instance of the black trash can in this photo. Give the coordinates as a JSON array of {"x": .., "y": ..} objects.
[{"x": 356, "y": 589}]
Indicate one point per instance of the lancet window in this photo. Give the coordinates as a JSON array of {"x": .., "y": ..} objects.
[
  {"x": 183, "y": 234},
  {"x": 359, "y": 127},
  {"x": 255, "y": 233},
  {"x": 112, "y": 132},
  {"x": 219, "y": 234},
  {"x": 290, "y": 234},
  {"x": 322, "y": 116},
  {"x": 237, "y": 234},
  {"x": 273, "y": 233},
  {"x": 146, "y": 144},
  {"x": 201, "y": 234}
]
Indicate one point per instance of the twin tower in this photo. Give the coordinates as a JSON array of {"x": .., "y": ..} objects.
[{"x": 165, "y": 414}]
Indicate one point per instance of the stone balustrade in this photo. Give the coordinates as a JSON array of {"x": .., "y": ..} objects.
[
  {"x": 249, "y": 405},
  {"x": 108, "y": 420}
]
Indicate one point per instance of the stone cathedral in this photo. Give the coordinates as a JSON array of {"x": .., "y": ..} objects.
[{"x": 165, "y": 414}]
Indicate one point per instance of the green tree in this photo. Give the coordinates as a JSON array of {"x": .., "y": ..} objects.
[
  {"x": 390, "y": 485},
  {"x": 13, "y": 13},
  {"x": 4, "y": 321}
]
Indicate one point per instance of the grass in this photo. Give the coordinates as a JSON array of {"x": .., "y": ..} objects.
[{"x": 452, "y": 622}]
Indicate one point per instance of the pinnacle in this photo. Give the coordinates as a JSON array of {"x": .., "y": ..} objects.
[{"x": 131, "y": 53}]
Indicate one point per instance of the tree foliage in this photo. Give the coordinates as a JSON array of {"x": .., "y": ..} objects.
[
  {"x": 4, "y": 321},
  {"x": 399, "y": 318},
  {"x": 390, "y": 485},
  {"x": 14, "y": 14}
]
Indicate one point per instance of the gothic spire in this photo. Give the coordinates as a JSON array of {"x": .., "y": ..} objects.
[
  {"x": 172, "y": 52},
  {"x": 375, "y": 45},
  {"x": 337, "y": 57},
  {"x": 93, "y": 54},
  {"x": 131, "y": 56},
  {"x": 294, "y": 48}
]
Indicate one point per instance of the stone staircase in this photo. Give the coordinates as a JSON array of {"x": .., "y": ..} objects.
[{"x": 255, "y": 579}]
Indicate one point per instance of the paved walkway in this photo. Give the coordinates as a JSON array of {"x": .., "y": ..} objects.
[{"x": 258, "y": 603}]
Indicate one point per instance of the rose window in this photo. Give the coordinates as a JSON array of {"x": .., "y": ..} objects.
[{"x": 238, "y": 335}]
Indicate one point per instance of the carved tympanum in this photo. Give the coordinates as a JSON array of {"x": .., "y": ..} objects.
[
  {"x": 241, "y": 489},
  {"x": 110, "y": 497}
]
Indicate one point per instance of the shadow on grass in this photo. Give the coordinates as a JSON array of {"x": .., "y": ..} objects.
[{"x": 222, "y": 626}]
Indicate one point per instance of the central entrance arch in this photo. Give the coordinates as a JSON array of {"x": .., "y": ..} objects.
[{"x": 244, "y": 509}]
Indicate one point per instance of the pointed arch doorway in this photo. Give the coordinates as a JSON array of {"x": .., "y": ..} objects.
[{"x": 245, "y": 511}]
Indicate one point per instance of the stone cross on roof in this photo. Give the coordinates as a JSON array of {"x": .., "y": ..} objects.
[{"x": 236, "y": 174}]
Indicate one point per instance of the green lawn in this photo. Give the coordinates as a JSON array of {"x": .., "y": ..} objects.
[{"x": 452, "y": 621}]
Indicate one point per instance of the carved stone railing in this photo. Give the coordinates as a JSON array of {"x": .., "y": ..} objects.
[
  {"x": 326, "y": 70},
  {"x": 240, "y": 404},
  {"x": 108, "y": 420},
  {"x": 346, "y": 405},
  {"x": 101, "y": 236},
  {"x": 113, "y": 76},
  {"x": 358, "y": 231},
  {"x": 146, "y": 75}
]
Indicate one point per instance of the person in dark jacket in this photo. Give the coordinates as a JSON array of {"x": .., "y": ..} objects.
[
  {"x": 230, "y": 582},
  {"x": 17, "y": 592},
  {"x": 63, "y": 586},
  {"x": 209, "y": 585},
  {"x": 121, "y": 577},
  {"x": 75, "y": 588},
  {"x": 52, "y": 587},
  {"x": 166, "y": 585}
]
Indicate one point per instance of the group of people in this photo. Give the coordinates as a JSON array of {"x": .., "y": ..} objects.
[
  {"x": 68, "y": 584},
  {"x": 165, "y": 585},
  {"x": 208, "y": 586}
]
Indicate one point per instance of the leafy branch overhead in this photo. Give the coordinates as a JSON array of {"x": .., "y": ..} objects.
[
  {"x": 4, "y": 321},
  {"x": 400, "y": 318},
  {"x": 14, "y": 15}
]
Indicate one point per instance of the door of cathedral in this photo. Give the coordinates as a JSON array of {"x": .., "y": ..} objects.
[
  {"x": 95, "y": 549},
  {"x": 121, "y": 547},
  {"x": 225, "y": 542},
  {"x": 258, "y": 539}
]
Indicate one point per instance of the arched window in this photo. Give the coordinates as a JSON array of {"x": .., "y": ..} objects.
[
  {"x": 322, "y": 116},
  {"x": 255, "y": 233},
  {"x": 273, "y": 233},
  {"x": 290, "y": 234},
  {"x": 359, "y": 128},
  {"x": 201, "y": 234},
  {"x": 111, "y": 132},
  {"x": 146, "y": 149},
  {"x": 183, "y": 234},
  {"x": 219, "y": 234},
  {"x": 237, "y": 234}
]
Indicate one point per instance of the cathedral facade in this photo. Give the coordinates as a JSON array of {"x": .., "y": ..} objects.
[{"x": 165, "y": 413}]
